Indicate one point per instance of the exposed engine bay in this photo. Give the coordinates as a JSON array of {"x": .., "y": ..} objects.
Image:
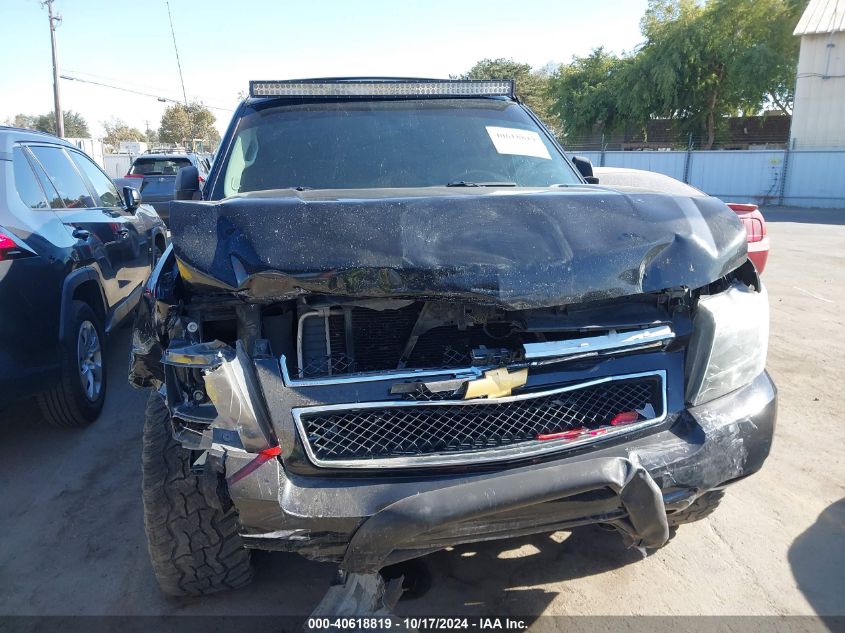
[
  {"x": 383, "y": 335},
  {"x": 440, "y": 353}
]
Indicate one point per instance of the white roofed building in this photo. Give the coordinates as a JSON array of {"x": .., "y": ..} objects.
[{"x": 818, "y": 119}]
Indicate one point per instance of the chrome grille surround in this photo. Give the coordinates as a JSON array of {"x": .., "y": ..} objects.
[{"x": 328, "y": 429}]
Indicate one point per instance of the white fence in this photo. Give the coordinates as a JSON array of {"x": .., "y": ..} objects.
[
  {"x": 805, "y": 178},
  {"x": 116, "y": 165}
]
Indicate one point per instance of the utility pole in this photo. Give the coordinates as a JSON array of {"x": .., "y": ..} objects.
[
  {"x": 54, "y": 20},
  {"x": 175, "y": 48}
]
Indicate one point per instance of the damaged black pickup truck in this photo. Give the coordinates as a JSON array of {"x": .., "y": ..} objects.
[{"x": 399, "y": 319}]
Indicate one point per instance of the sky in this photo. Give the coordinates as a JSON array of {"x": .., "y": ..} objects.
[{"x": 224, "y": 43}]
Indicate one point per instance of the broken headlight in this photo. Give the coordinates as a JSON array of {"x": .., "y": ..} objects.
[{"x": 729, "y": 342}]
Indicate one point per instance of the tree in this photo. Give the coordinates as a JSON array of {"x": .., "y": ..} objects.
[
  {"x": 21, "y": 120},
  {"x": 700, "y": 63},
  {"x": 117, "y": 130},
  {"x": 75, "y": 124},
  {"x": 585, "y": 93},
  {"x": 532, "y": 86},
  {"x": 768, "y": 46},
  {"x": 181, "y": 124}
]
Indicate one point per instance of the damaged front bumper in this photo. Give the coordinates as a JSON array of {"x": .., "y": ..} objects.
[
  {"x": 368, "y": 521},
  {"x": 300, "y": 488}
]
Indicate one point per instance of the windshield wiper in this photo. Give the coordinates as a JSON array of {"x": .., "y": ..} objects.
[{"x": 464, "y": 183}]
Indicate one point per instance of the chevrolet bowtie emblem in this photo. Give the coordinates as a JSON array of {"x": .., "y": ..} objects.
[{"x": 496, "y": 383}]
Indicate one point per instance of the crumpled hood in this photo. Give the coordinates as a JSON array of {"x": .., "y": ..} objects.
[{"x": 515, "y": 248}]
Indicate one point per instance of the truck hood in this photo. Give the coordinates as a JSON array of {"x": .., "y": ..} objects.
[{"x": 515, "y": 248}]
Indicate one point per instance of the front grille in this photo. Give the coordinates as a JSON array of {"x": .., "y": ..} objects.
[{"x": 424, "y": 432}]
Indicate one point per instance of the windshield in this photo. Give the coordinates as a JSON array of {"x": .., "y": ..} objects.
[
  {"x": 401, "y": 143},
  {"x": 158, "y": 166}
]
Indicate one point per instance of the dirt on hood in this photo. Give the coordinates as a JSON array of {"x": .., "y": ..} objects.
[{"x": 514, "y": 248}]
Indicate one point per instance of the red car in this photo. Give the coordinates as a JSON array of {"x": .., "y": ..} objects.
[
  {"x": 749, "y": 214},
  {"x": 755, "y": 228}
]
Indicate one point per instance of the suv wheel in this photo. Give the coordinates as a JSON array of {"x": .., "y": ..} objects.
[
  {"x": 702, "y": 507},
  {"x": 194, "y": 545},
  {"x": 77, "y": 399}
]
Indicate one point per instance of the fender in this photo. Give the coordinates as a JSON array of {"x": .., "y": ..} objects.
[
  {"x": 153, "y": 237},
  {"x": 69, "y": 286},
  {"x": 145, "y": 367},
  {"x": 165, "y": 259}
]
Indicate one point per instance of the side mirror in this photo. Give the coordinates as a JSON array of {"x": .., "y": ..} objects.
[
  {"x": 132, "y": 198},
  {"x": 187, "y": 183},
  {"x": 585, "y": 168}
]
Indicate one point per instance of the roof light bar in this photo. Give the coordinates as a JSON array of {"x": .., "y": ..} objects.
[{"x": 382, "y": 88}]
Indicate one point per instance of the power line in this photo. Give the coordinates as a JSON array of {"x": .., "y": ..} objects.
[
  {"x": 120, "y": 80},
  {"x": 137, "y": 92},
  {"x": 178, "y": 63}
]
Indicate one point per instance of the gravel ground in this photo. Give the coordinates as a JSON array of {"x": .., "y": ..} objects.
[{"x": 73, "y": 543}]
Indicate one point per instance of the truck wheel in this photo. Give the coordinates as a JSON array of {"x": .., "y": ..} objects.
[
  {"x": 702, "y": 507},
  {"x": 194, "y": 546},
  {"x": 77, "y": 398}
]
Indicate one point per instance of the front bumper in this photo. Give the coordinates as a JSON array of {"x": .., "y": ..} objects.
[{"x": 368, "y": 522}]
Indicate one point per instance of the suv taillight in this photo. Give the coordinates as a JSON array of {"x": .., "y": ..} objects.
[
  {"x": 134, "y": 176},
  {"x": 9, "y": 248}
]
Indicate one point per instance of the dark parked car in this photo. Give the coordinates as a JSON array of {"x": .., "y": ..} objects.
[
  {"x": 400, "y": 318},
  {"x": 74, "y": 256},
  {"x": 154, "y": 175}
]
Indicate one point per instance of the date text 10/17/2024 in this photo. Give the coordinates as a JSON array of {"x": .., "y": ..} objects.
[{"x": 416, "y": 623}]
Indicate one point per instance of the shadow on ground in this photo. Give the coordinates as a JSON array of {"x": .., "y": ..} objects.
[
  {"x": 804, "y": 215},
  {"x": 74, "y": 543},
  {"x": 501, "y": 577},
  {"x": 817, "y": 558}
]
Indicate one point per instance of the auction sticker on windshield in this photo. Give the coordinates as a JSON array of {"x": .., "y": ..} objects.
[{"x": 508, "y": 140}]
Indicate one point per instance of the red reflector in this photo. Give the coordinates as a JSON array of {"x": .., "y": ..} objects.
[
  {"x": 263, "y": 456},
  {"x": 563, "y": 435},
  {"x": 626, "y": 417}
]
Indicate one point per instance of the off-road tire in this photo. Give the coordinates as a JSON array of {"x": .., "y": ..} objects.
[
  {"x": 702, "y": 507},
  {"x": 65, "y": 404},
  {"x": 194, "y": 545}
]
